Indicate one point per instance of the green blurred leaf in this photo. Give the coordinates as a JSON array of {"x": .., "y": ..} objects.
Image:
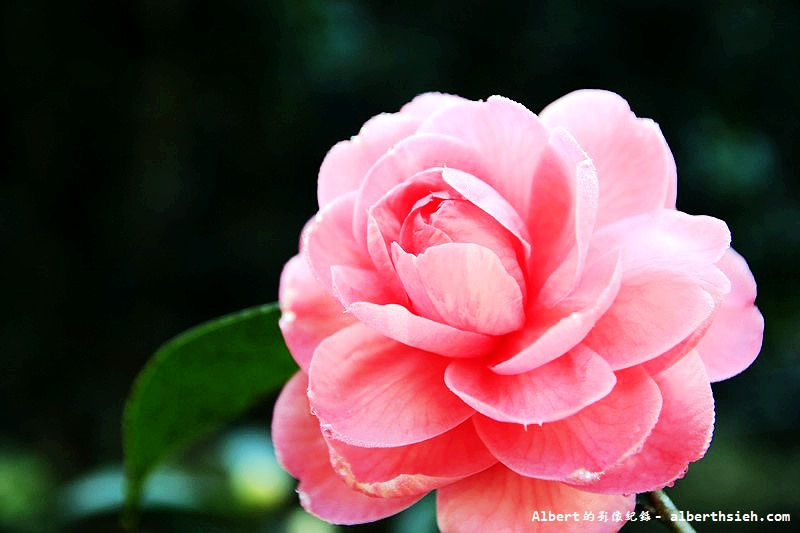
[{"x": 196, "y": 382}]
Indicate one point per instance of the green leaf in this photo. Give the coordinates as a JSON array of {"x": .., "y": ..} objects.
[{"x": 197, "y": 382}]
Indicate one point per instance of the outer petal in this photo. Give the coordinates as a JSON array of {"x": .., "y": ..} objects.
[
  {"x": 508, "y": 137},
  {"x": 414, "y": 469},
  {"x": 346, "y": 164},
  {"x": 327, "y": 240},
  {"x": 301, "y": 450},
  {"x": 670, "y": 241},
  {"x": 500, "y": 500},
  {"x": 549, "y": 333},
  {"x": 682, "y": 434},
  {"x": 671, "y": 356},
  {"x": 547, "y": 393},
  {"x": 670, "y": 286},
  {"x": 653, "y": 312},
  {"x": 582, "y": 446},
  {"x": 561, "y": 217},
  {"x": 734, "y": 338},
  {"x": 424, "y": 105},
  {"x": 370, "y": 391},
  {"x": 634, "y": 165},
  {"x": 308, "y": 312}
]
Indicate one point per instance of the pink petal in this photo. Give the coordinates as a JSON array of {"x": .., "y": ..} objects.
[
  {"x": 368, "y": 390},
  {"x": 670, "y": 286},
  {"x": 579, "y": 447},
  {"x": 682, "y": 434},
  {"x": 414, "y": 286},
  {"x": 467, "y": 286},
  {"x": 445, "y": 205},
  {"x": 327, "y": 240},
  {"x": 550, "y": 392},
  {"x": 482, "y": 195},
  {"x": 400, "y": 324},
  {"x": 414, "y": 469},
  {"x": 385, "y": 221},
  {"x": 734, "y": 339},
  {"x": 634, "y": 165},
  {"x": 672, "y": 241},
  {"x": 549, "y": 333},
  {"x": 347, "y": 163},
  {"x": 500, "y": 500},
  {"x": 652, "y": 313},
  {"x": 301, "y": 450},
  {"x": 308, "y": 312},
  {"x": 409, "y": 157},
  {"x": 379, "y": 252},
  {"x": 392, "y": 210},
  {"x": 508, "y": 138},
  {"x": 351, "y": 284},
  {"x": 677, "y": 352},
  {"x": 562, "y": 215},
  {"x": 426, "y": 104},
  {"x": 469, "y": 212}
]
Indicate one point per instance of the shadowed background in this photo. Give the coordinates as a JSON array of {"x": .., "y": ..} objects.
[{"x": 161, "y": 158}]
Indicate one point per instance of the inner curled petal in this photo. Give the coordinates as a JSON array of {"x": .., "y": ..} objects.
[
  {"x": 437, "y": 219},
  {"x": 464, "y": 285},
  {"x": 460, "y": 259}
]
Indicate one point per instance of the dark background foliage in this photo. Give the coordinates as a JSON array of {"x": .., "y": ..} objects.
[{"x": 161, "y": 158}]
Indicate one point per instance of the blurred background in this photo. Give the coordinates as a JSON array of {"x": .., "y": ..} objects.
[{"x": 161, "y": 158}]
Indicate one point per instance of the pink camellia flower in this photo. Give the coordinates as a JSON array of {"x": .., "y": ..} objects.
[{"x": 509, "y": 309}]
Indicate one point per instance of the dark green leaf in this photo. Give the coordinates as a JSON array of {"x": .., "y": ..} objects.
[{"x": 195, "y": 383}]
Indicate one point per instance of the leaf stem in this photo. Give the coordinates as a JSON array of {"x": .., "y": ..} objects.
[{"x": 664, "y": 508}]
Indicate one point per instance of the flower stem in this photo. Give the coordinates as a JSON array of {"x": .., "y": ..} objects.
[{"x": 664, "y": 508}]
